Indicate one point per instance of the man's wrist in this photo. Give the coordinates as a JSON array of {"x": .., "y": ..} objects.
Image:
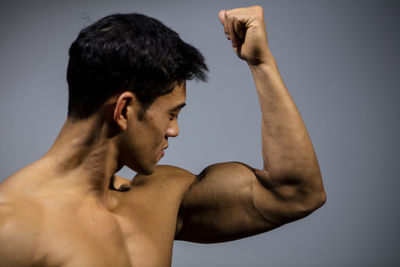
[
  {"x": 266, "y": 65},
  {"x": 267, "y": 60}
]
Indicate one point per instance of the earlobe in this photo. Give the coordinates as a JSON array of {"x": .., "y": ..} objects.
[{"x": 122, "y": 109}]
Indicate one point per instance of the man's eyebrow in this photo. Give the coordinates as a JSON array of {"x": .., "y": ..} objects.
[{"x": 178, "y": 107}]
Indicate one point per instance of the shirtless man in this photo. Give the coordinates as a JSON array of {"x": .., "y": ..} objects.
[{"x": 59, "y": 211}]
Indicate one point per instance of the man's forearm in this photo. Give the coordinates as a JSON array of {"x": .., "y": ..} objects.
[{"x": 287, "y": 149}]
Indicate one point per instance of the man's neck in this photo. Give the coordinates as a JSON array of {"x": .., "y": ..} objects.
[{"x": 84, "y": 157}]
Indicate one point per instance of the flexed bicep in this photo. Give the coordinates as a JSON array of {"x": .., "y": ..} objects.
[{"x": 219, "y": 205}]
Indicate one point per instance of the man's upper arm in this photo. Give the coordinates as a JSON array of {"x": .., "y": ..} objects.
[{"x": 220, "y": 205}]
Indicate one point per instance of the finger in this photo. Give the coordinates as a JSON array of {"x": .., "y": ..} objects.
[
  {"x": 229, "y": 23},
  {"x": 240, "y": 30},
  {"x": 221, "y": 16}
]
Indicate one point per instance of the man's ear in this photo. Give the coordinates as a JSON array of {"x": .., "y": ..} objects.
[{"x": 123, "y": 109}]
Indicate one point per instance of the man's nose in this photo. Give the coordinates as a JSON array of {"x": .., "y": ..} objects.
[{"x": 173, "y": 129}]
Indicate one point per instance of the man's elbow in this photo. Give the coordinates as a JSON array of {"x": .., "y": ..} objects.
[
  {"x": 318, "y": 199},
  {"x": 311, "y": 198},
  {"x": 319, "y": 193},
  {"x": 305, "y": 197},
  {"x": 295, "y": 197}
]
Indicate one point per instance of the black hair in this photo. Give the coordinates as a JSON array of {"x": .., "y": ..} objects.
[{"x": 127, "y": 52}]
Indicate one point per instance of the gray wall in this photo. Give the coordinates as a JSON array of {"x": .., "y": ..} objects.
[{"x": 340, "y": 62}]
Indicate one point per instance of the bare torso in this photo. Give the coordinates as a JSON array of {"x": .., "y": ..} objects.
[
  {"x": 56, "y": 227},
  {"x": 60, "y": 212}
]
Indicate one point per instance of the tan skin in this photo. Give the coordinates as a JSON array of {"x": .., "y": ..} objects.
[{"x": 59, "y": 211}]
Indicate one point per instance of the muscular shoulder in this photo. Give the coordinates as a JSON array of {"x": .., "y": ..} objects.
[
  {"x": 165, "y": 175},
  {"x": 18, "y": 234},
  {"x": 167, "y": 183}
]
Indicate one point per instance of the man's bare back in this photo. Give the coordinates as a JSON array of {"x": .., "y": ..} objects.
[
  {"x": 63, "y": 210},
  {"x": 46, "y": 225}
]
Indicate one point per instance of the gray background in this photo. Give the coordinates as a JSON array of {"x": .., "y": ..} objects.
[{"x": 340, "y": 61}]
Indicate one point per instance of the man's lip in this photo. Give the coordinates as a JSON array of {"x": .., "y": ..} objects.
[{"x": 163, "y": 152}]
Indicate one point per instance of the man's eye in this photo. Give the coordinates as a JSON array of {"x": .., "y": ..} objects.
[{"x": 173, "y": 116}]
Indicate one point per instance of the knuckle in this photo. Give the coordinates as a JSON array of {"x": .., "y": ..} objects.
[{"x": 258, "y": 9}]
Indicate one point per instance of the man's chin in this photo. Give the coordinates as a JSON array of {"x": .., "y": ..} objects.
[{"x": 145, "y": 170}]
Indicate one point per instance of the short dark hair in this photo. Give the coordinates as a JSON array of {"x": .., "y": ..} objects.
[{"x": 127, "y": 52}]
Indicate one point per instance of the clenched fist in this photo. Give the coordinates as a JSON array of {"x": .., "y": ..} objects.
[{"x": 245, "y": 27}]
